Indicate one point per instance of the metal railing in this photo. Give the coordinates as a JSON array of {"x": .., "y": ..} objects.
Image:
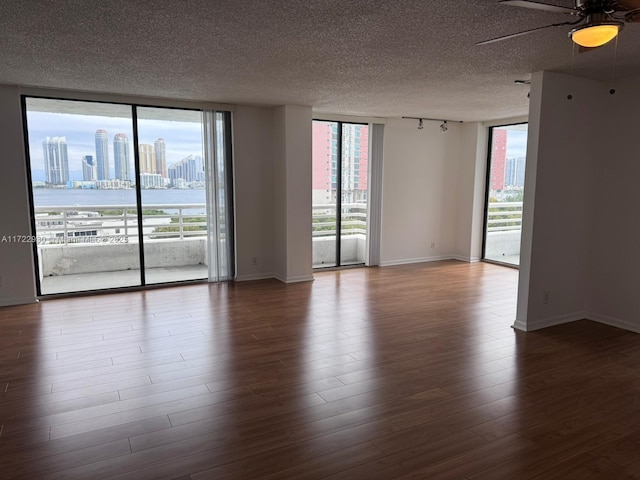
[
  {"x": 69, "y": 224},
  {"x": 354, "y": 219},
  {"x": 504, "y": 216}
]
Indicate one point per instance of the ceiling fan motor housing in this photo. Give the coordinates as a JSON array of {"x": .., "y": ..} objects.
[{"x": 596, "y": 5}]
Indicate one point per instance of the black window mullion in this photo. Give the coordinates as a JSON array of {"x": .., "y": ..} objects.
[
  {"x": 136, "y": 165},
  {"x": 487, "y": 187},
  {"x": 339, "y": 196},
  {"x": 32, "y": 205}
]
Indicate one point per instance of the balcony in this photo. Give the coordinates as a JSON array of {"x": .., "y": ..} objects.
[
  {"x": 97, "y": 247},
  {"x": 353, "y": 237},
  {"x": 504, "y": 226}
]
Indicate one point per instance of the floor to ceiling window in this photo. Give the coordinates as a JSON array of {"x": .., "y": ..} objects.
[
  {"x": 505, "y": 193},
  {"x": 122, "y": 194},
  {"x": 340, "y": 193}
]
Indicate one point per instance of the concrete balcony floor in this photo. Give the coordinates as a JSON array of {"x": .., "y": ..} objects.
[
  {"x": 82, "y": 282},
  {"x": 508, "y": 259}
]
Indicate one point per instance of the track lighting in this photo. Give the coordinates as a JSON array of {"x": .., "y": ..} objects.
[{"x": 444, "y": 124}]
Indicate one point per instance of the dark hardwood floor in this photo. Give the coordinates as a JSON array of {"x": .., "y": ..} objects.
[{"x": 380, "y": 373}]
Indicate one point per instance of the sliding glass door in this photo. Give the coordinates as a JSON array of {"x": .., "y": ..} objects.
[
  {"x": 122, "y": 194},
  {"x": 340, "y": 163},
  {"x": 505, "y": 193},
  {"x": 173, "y": 194}
]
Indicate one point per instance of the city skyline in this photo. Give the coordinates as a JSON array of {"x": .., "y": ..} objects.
[{"x": 181, "y": 139}]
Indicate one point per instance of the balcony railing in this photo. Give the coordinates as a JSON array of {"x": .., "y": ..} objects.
[
  {"x": 67, "y": 224},
  {"x": 503, "y": 216},
  {"x": 354, "y": 219}
]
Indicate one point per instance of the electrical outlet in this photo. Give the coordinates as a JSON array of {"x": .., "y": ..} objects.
[
  {"x": 433, "y": 244},
  {"x": 545, "y": 297},
  {"x": 254, "y": 261}
]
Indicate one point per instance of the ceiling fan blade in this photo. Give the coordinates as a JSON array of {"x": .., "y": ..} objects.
[
  {"x": 633, "y": 16},
  {"x": 524, "y": 32},
  {"x": 539, "y": 6},
  {"x": 625, "y": 5}
]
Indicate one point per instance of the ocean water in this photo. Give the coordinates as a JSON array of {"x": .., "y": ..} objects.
[{"x": 47, "y": 197}]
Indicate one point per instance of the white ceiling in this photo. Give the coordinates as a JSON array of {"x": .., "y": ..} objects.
[{"x": 361, "y": 57}]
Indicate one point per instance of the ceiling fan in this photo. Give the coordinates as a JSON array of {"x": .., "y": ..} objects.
[{"x": 598, "y": 21}]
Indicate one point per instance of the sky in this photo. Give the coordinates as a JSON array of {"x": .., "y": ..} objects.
[
  {"x": 181, "y": 138},
  {"x": 516, "y": 143}
]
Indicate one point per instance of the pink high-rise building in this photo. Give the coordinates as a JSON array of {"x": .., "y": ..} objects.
[
  {"x": 355, "y": 162},
  {"x": 498, "y": 159}
]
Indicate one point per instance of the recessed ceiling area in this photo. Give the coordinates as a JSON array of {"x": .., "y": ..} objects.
[{"x": 370, "y": 57}]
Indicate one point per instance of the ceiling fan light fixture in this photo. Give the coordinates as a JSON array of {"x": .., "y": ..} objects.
[{"x": 595, "y": 35}]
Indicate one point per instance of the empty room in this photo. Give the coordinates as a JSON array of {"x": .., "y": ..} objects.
[{"x": 319, "y": 239}]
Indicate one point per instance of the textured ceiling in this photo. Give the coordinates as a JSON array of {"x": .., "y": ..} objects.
[{"x": 364, "y": 57}]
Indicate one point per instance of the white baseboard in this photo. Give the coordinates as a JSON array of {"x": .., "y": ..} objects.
[
  {"x": 466, "y": 259},
  {"x": 551, "y": 321},
  {"x": 407, "y": 261},
  {"x": 613, "y": 322},
  {"x": 520, "y": 325},
  {"x": 295, "y": 278},
  {"x": 17, "y": 301},
  {"x": 254, "y": 276},
  {"x": 572, "y": 317}
]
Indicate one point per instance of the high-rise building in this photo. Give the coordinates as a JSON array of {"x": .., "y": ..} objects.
[
  {"x": 498, "y": 159},
  {"x": 161, "y": 157},
  {"x": 515, "y": 172},
  {"x": 355, "y": 162},
  {"x": 147, "y": 158},
  {"x": 151, "y": 180},
  {"x": 56, "y": 162},
  {"x": 189, "y": 169},
  {"x": 102, "y": 154},
  {"x": 89, "y": 170},
  {"x": 121, "y": 156}
]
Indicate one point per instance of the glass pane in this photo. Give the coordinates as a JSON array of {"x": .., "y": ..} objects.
[
  {"x": 505, "y": 194},
  {"x": 84, "y": 200},
  {"x": 172, "y": 181},
  {"x": 355, "y": 167},
  {"x": 325, "y": 185},
  {"x": 220, "y": 206}
]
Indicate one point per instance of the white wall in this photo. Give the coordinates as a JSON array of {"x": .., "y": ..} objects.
[
  {"x": 419, "y": 192},
  {"x": 470, "y": 192},
  {"x": 614, "y": 257},
  {"x": 254, "y": 193},
  {"x": 16, "y": 259},
  {"x": 292, "y": 193},
  {"x": 562, "y": 155}
]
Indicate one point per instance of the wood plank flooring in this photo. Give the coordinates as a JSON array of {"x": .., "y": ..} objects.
[{"x": 379, "y": 373}]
